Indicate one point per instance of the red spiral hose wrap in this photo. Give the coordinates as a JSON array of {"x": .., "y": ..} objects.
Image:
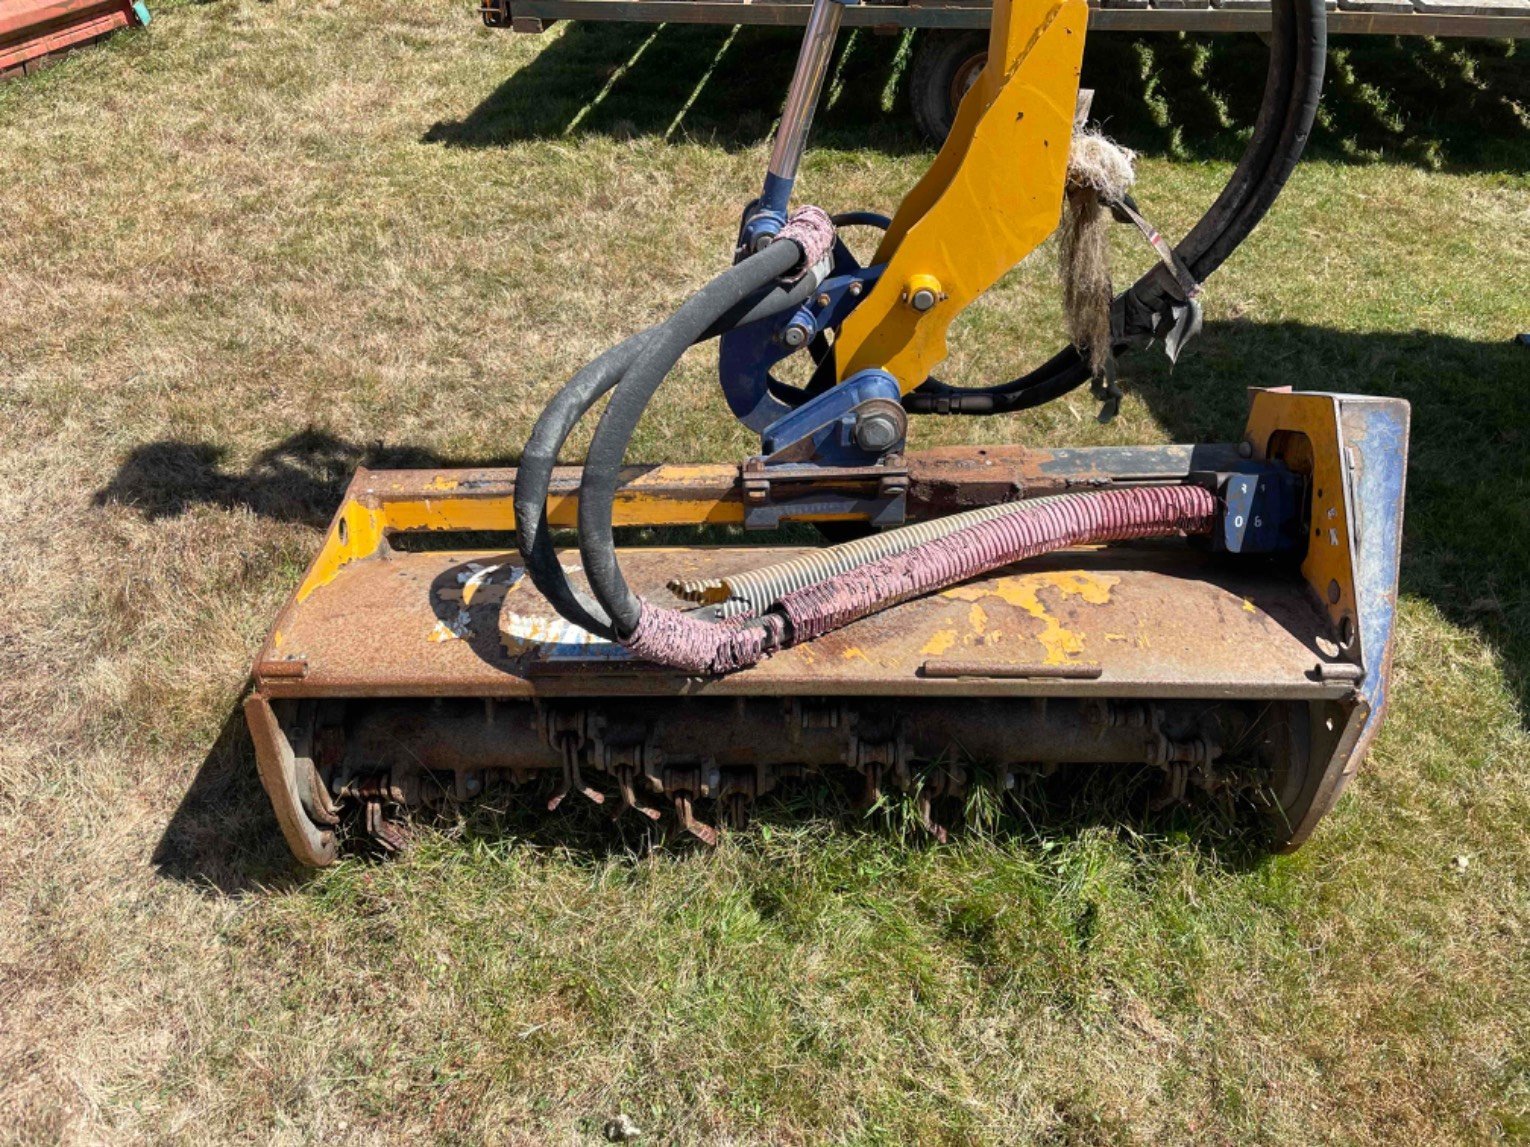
[{"x": 1035, "y": 527}]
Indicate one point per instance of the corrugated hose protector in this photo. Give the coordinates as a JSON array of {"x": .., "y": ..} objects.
[{"x": 1027, "y": 530}]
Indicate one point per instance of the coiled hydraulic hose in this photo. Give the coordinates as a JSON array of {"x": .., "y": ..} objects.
[
  {"x": 602, "y": 467},
  {"x": 562, "y": 414},
  {"x": 1293, "y": 84}
]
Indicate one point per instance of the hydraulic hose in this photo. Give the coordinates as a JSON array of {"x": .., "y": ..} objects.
[
  {"x": 557, "y": 421},
  {"x": 1293, "y": 84},
  {"x": 602, "y": 468},
  {"x": 534, "y": 475},
  {"x": 1024, "y": 530}
]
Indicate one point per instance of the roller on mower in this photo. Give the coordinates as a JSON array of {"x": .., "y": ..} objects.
[{"x": 1222, "y": 614}]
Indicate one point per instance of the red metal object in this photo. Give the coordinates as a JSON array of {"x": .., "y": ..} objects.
[{"x": 34, "y": 31}]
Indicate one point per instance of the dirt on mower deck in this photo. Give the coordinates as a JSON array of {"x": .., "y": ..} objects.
[{"x": 1155, "y": 622}]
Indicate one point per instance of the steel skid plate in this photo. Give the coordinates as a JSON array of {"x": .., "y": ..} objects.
[
  {"x": 1155, "y": 621},
  {"x": 394, "y": 612}
]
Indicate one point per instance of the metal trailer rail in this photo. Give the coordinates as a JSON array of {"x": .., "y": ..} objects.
[
  {"x": 952, "y": 42},
  {"x": 35, "y": 32},
  {"x": 1486, "y": 19}
]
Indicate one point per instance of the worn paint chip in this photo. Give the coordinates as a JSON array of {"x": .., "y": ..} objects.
[
  {"x": 1024, "y": 592},
  {"x": 939, "y": 642}
]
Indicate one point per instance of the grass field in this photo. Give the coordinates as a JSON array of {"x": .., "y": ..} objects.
[{"x": 260, "y": 243}]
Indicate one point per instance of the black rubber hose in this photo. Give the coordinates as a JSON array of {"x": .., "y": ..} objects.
[
  {"x": 1293, "y": 86},
  {"x": 602, "y": 467},
  {"x": 573, "y": 401},
  {"x": 1306, "y": 24},
  {"x": 533, "y": 477}
]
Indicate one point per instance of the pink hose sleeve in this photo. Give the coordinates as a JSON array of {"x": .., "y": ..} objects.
[
  {"x": 1036, "y": 527},
  {"x": 669, "y": 637},
  {"x": 811, "y": 229}
]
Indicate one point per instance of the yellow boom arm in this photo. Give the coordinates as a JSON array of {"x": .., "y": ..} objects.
[{"x": 993, "y": 194}]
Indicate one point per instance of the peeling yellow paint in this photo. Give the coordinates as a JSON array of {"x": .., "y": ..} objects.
[
  {"x": 977, "y": 619},
  {"x": 939, "y": 643},
  {"x": 1024, "y": 592},
  {"x": 854, "y": 652},
  {"x": 1248, "y": 606}
]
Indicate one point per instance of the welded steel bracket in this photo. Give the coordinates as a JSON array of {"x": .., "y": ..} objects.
[{"x": 786, "y": 492}]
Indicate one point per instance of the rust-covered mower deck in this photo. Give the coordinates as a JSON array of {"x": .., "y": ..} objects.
[{"x": 405, "y": 672}]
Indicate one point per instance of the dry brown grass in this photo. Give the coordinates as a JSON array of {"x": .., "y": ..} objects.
[{"x": 259, "y": 218}]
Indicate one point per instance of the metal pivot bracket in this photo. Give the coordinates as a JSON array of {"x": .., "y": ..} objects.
[
  {"x": 876, "y": 494},
  {"x": 839, "y": 455}
]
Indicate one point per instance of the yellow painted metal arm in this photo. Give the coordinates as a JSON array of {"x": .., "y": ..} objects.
[{"x": 992, "y": 195}]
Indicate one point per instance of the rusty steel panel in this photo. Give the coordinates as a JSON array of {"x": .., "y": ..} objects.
[
  {"x": 941, "y": 481},
  {"x": 1160, "y": 621},
  {"x": 274, "y": 760}
]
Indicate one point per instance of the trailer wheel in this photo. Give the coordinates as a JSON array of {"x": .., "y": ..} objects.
[{"x": 946, "y": 64}]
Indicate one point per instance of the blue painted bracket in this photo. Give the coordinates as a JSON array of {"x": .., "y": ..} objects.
[
  {"x": 1375, "y": 432},
  {"x": 746, "y": 355},
  {"x": 822, "y": 430},
  {"x": 1263, "y": 507}
]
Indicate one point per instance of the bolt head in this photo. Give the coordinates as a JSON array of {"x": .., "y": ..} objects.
[
  {"x": 794, "y": 335},
  {"x": 922, "y": 299},
  {"x": 856, "y": 289},
  {"x": 876, "y": 431}
]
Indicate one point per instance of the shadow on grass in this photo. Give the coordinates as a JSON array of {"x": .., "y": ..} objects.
[
  {"x": 718, "y": 84},
  {"x": 1452, "y": 104},
  {"x": 223, "y": 836},
  {"x": 299, "y": 479}
]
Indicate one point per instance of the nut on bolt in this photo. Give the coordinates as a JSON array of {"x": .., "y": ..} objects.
[
  {"x": 794, "y": 335},
  {"x": 923, "y": 292},
  {"x": 880, "y": 426}
]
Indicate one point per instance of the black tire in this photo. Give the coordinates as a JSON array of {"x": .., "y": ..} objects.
[{"x": 945, "y": 65}]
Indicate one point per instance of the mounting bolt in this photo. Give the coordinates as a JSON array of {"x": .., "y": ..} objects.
[
  {"x": 1245, "y": 449},
  {"x": 795, "y": 335},
  {"x": 877, "y": 431},
  {"x": 855, "y": 289},
  {"x": 823, "y": 299},
  {"x": 923, "y": 292}
]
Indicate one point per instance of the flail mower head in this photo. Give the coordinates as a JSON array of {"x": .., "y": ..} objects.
[{"x": 1220, "y": 613}]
